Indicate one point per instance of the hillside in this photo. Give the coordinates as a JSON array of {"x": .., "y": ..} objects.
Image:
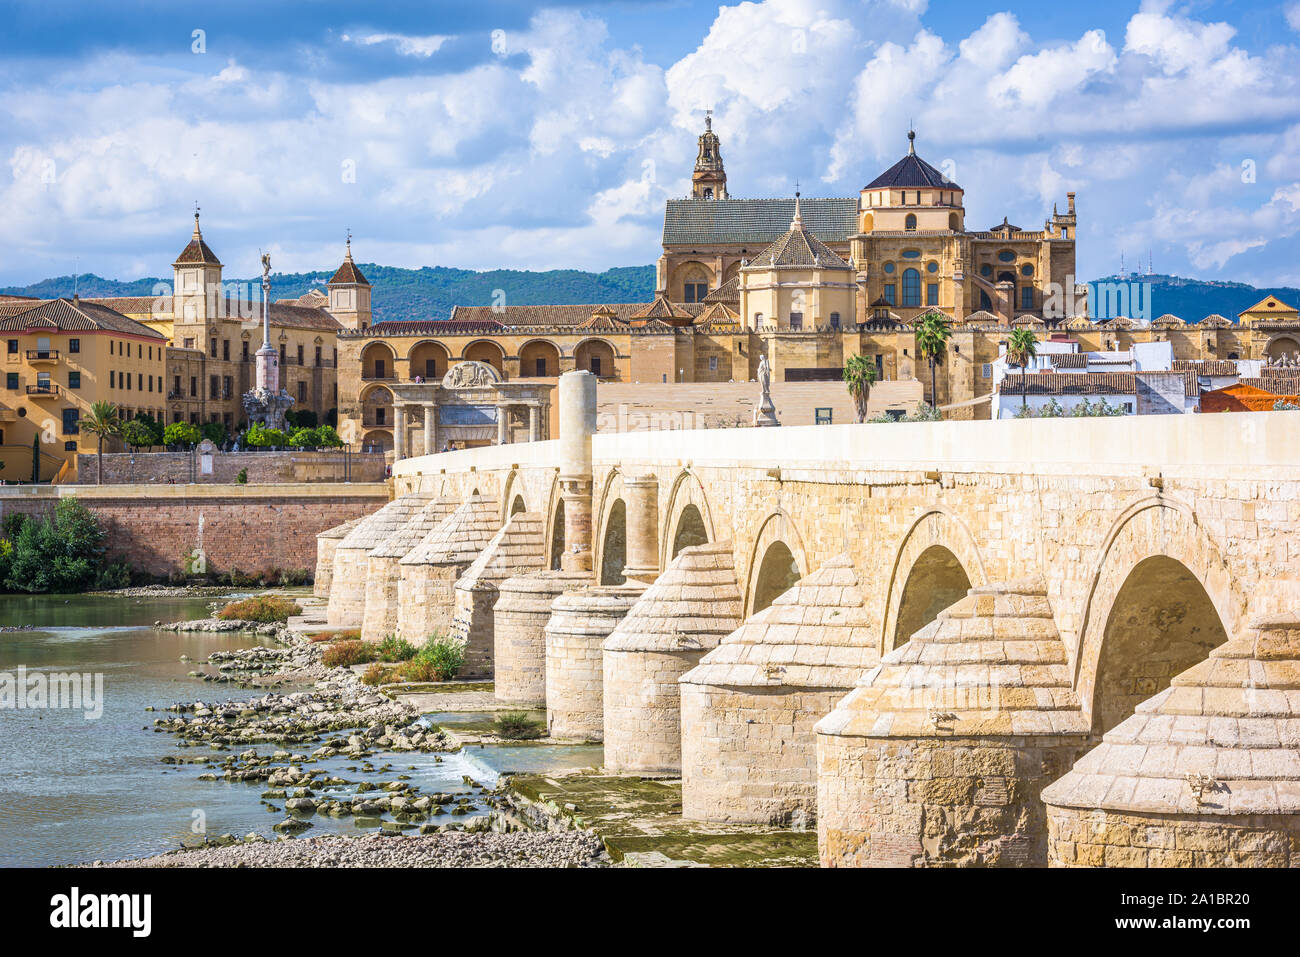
[
  {"x": 1194, "y": 299},
  {"x": 410, "y": 294},
  {"x": 430, "y": 292}
]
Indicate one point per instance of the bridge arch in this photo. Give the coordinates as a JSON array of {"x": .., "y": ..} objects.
[
  {"x": 776, "y": 561},
  {"x": 686, "y": 501},
  {"x": 1160, "y": 598},
  {"x": 513, "y": 500},
  {"x": 554, "y": 530},
  {"x": 611, "y": 532},
  {"x": 937, "y": 563}
]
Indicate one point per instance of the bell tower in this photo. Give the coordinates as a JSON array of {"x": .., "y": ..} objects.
[
  {"x": 196, "y": 286},
  {"x": 709, "y": 181},
  {"x": 350, "y": 294}
]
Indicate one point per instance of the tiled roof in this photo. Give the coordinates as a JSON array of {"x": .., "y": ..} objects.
[
  {"x": 296, "y": 317},
  {"x": 136, "y": 305},
  {"x": 755, "y": 222},
  {"x": 1073, "y": 360},
  {"x": 661, "y": 308},
  {"x": 603, "y": 320},
  {"x": 911, "y": 172},
  {"x": 430, "y": 327},
  {"x": 1279, "y": 383},
  {"x": 348, "y": 273},
  {"x": 729, "y": 291},
  {"x": 1207, "y": 366},
  {"x": 718, "y": 314},
  {"x": 78, "y": 316},
  {"x": 1216, "y": 321},
  {"x": 797, "y": 248},
  {"x": 1086, "y": 383},
  {"x": 284, "y": 314},
  {"x": 197, "y": 252},
  {"x": 556, "y": 315}
]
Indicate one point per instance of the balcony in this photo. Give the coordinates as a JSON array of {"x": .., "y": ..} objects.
[
  {"x": 42, "y": 355},
  {"x": 43, "y": 390}
]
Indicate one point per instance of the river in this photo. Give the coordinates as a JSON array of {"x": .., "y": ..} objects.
[{"x": 76, "y": 787}]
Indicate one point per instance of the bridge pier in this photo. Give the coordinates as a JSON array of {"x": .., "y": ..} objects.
[
  {"x": 384, "y": 573},
  {"x": 518, "y": 548},
  {"x": 939, "y": 756},
  {"x": 683, "y": 615},
  {"x": 521, "y": 613},
  {"x": 749, "y": 706},
  {"x": 1205, "y": 774},
  {"x": 580, "y": 622},
  {"x": 326, "y": 542},
  {"x": 347, "y": 601},
  {"x": 426, "y": 595}
]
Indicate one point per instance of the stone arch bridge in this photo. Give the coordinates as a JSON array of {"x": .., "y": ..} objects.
[{"x": 931, "y": 622}]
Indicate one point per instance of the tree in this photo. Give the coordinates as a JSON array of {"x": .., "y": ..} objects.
[
  {"x": 932, "y": 333},
  {"x": 60, "y": 554},
  {"x": 1022, "y": 346},
  {"x": 137, "y": 434},
  {"x": 859, "y": 373},
  {"x": 328, "y": 438},
  {"x": 182, "y": 434},
  {"x": 102, "y": 422},
  {"x": 215, "y": 432}
]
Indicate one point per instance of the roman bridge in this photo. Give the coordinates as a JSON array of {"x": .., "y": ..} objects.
[{"x": 903, "y": 631}]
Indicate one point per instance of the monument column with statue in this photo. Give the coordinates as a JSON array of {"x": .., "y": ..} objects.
[{"x": 266, "y": 404}]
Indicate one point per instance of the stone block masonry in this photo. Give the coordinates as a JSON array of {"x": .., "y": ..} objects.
[
  {"x": 262, "y": 468},
  {"x": 252, "y": 528}
]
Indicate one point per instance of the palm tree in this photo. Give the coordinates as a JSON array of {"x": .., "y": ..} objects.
[
  {"x": 1021, "y": 347},
  {"x": 859, "y": 373},
  {"x": 102, "y": 422},
  {"x": 932, "y": 333}
]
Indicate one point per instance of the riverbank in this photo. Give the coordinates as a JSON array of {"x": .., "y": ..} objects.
[{"x": 448, "y": 849}]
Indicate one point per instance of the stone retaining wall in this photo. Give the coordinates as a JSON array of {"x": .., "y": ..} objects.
[
  {"x": 264, "y": 468},
  {"x": 249, "y": 528}
]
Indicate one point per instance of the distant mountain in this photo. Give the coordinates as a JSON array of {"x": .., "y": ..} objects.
[
  {"x": 430, "y": 292},
  {"x": 1194, "y": 299},
  {"x": 410, "y": 294}
]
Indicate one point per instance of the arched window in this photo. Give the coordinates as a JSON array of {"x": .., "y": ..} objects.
[
  {"x": 911, "y": 287},
  {"x": 910, "y": 222}
]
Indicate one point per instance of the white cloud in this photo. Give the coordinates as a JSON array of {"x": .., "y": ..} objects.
[
  {"x": 562, "y": 152},
  {"x": 425, "y": 46}
]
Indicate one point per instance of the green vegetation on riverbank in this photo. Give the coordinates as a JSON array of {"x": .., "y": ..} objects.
[
  {"x": 61, "y": 553},
  {"x": 262, "y": 608}
]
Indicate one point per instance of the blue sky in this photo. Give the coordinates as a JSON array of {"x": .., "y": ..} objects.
[{"x": 500, "y": 134}]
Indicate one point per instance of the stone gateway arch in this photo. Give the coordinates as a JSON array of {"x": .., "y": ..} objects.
[{"x": 942, "y": 643}]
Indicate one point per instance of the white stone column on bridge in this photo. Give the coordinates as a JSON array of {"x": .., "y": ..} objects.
[
  {"x": 641, "y": 498},
  {"x": 577, "y": 426},
  {"x": 399, "y": 431},
  {"x": 430, "y": 428},
  {"x": 534, "y": 421},
  {"x": 503, "y": 424}
]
